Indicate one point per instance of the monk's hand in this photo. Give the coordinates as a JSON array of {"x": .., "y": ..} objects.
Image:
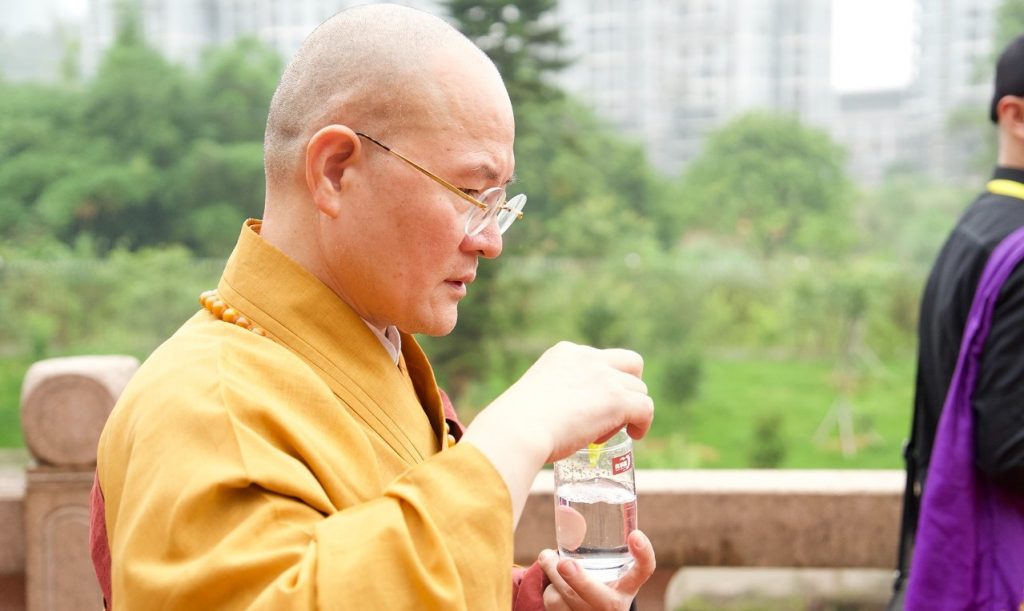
[
  {"x": 571, "y": 588},
  {"x": 571, "y": 396}
]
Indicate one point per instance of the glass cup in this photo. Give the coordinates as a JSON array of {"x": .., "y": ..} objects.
[{"x": 595, "y": 507}]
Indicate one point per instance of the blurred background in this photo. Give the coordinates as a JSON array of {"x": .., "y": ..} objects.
[{"x": 748, "y": 192}]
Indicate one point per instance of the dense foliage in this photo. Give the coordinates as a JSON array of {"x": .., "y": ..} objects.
[
  {"x": 144, "y": 154},
  {"x": 120, "y": 196}
]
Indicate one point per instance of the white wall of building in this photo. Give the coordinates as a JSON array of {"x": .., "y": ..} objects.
[
  {"x": 669, "y": 71},
  {"x": 181, "y": 29}
]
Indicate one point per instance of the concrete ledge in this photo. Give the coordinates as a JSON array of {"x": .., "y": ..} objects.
[
  {"x": 868, "y": 588},
  {"x": 12, "y": 521},
  {"x": 746, "y": 518},
  {"x": 791, "y": 518}
]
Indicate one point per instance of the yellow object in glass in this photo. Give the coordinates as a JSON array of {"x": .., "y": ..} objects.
[{"x": 594, "y": 452}]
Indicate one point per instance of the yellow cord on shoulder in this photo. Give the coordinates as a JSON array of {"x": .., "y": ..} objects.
[{"x": 1002, "y": 186}]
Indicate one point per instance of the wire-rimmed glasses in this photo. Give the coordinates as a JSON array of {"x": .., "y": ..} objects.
[{"x": 490, "y": 206}]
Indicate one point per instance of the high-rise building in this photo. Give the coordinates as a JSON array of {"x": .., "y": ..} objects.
[
  {"x": 872, "y": 126},
  {"x": 669, "y": 71},
  {"x": 954, "y": 76},
  {"x": 181, "y": 29}
]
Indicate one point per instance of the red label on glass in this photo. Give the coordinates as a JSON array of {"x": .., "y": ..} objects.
[{"x": 622, "y": 463}]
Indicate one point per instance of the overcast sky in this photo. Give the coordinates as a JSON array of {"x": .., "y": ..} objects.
[
  {"x": 871, "y": 43},
  {"x": 22, "y": 15},
  {"x": 871, "y": 39}
]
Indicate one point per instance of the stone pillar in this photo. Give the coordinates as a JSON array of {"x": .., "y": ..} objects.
[{"x": 64, "y": 405}]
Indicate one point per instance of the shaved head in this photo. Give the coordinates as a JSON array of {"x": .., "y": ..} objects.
[
  {"x": 388, "y": 240},
  {"x": 367, "y": 67}
]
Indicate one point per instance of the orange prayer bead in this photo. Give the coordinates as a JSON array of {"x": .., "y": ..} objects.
[
  {"x": 230, "y": 315},
  {"x": 213, "y": 304}
]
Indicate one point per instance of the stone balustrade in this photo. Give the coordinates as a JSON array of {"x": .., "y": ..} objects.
[
  {"x": 64, "y": 404},
  {"x": 694, "y": 517},
  {"x": 746, "y": 518}
]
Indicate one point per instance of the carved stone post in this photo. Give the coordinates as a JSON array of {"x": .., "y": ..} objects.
[{"x": 64, "y": 404}]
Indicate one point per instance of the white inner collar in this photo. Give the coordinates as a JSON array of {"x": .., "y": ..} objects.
[{"x": 390, "y": 338}]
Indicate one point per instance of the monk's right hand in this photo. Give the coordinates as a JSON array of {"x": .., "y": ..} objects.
[
  {"x": 573, "y": 395},
  {"x": 576, "y": 394}
]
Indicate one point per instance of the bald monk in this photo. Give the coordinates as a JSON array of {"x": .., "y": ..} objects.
[{"x": 288, "y": 447}]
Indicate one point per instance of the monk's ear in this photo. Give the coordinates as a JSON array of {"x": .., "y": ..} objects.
[{"x": 329, "y": 153}]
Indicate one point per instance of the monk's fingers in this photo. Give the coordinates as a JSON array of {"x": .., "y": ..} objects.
[
  {"x": 553, "y": 601},
  {"x": 590, "y": 593},
  {"x": 563, "y": 592},
  {"x": 630, "y": 382},
  {"x": 643, "y": 567},
  {"x": 625, "y": 360}
]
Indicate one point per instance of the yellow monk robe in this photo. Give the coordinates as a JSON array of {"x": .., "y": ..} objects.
[{"x": 300, "y": 472}]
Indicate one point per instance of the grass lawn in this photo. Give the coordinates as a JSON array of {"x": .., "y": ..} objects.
[
  {"x": 12, "y": 372},
  {"x": 789, "y": 400}
]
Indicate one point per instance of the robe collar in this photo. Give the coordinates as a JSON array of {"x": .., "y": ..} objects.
[{"x": 303, "y": 314}]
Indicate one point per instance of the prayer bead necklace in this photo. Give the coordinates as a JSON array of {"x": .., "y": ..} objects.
[{"x": 213, "y": 304}]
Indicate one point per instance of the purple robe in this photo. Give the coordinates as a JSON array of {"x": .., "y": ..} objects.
[{"x": 969, "y": 549}]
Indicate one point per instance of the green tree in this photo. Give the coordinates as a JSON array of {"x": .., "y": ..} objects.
[
  {"x": 146, "y": 153},
  {"x": 214, "y": 188},
  {"x": 1009, "y": 24},
  {"x": 590, "y": 189},
  {"x": 141, "y": 102},
  {"x": 218, "y": 181},
  {"x": 38, "y": 140},
  {"x": 71, "y": 56},
  {"x": 235, "y": 85},
  {"x": 521, "y": 38},
  {"x": 907, "y": 217},
  {"x": 775, "y": 183}
]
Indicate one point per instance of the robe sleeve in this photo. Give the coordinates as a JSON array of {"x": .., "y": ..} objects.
[
  {"x": 411, "y": 549},
  {"x": 528, "y": 584}
]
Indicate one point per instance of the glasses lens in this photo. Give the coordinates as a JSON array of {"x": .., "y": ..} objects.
[
  {"x": 505, "y": 212},
  {"x": 479, "y": 219},
  {"x": 510, "y": 211}
]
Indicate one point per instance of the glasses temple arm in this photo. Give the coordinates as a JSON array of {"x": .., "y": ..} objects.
[{"x": 448, "y": 185}]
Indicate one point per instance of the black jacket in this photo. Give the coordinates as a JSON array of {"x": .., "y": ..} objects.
[{"x": 999, "y": 397}]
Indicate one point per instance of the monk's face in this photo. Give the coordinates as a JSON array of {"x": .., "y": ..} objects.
[{"x": 407, "y": 259}]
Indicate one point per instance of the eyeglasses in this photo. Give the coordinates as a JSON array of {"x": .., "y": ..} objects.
[{"x": 490, "y": 206}]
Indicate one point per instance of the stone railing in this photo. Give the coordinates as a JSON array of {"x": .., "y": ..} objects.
[
  {"x": 64, "y": 404},
  {"x": 763, "y": 518},
  {"x": 694, "y": 518}
]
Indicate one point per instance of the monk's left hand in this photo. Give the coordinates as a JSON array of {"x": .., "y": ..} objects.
[{"x": 571, "y": 588}]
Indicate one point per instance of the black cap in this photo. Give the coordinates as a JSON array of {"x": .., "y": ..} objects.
[{"x": 1009, "y": 75}]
